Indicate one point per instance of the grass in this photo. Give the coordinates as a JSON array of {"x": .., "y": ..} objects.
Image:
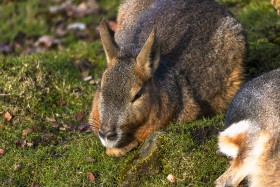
[
  {"x": 262, "y": 26},
  {"x": 33, "y": 87}
]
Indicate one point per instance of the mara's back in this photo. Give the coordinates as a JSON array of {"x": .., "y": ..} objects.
[
  {"x": 259, "y": 101},
  {"x": 201, "y": 44}
]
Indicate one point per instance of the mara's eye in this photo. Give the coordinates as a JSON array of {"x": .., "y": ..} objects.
[{"x": 138, "y": 95}]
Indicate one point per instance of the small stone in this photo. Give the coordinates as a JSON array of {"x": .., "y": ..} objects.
[
  {"x": 57, "y": 115},
  {"x": 171, "y": 178},
  {"x": 87, "y": 78},
  {"x": 29, "y": 144},
  {"x": 8, "y": 116},
  {"x": 2, "y": 151},
  {"x": 90, "y": 176},
  {"x": 92, "y": 82}
]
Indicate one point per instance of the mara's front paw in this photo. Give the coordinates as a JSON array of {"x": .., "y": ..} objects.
[
  {"x": 227, "y": 180},
  {"x": 121, "y": 151},
  {"x": 220, "y": 183}
]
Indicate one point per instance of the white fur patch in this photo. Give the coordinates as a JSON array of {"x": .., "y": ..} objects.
[
  {"x": 258, "y": 150},
  {"x": 234, "y": 130},
  {"x": 108, "y": 143},
  {"x": 260, "y": 144},
  {"x": 229, "y": 150},
  {"x": 237, "y": 128}
]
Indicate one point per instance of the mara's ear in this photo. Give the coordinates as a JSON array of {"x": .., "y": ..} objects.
[
  {"x": 147, "y": 60},
  {"x": 107, "y": 38}
]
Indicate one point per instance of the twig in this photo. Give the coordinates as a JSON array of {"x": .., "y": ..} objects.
[{"x": 5, "y": 94}]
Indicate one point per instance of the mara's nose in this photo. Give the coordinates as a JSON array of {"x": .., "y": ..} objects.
[{"x": 110, "y": 135}]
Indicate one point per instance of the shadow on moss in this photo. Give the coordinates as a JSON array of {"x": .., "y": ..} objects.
[{"x": 186, "y": 150}]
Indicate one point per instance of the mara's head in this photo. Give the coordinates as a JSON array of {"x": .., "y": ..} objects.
[{"x": 125, "y": 96}]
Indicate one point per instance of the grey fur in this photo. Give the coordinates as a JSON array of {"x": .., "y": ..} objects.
[
  {"x": 258, "y": 101},
  {"x": 192, "y": 36},
  {"x": 257, "y": 104},
  {"x": 201, "y": 48}
]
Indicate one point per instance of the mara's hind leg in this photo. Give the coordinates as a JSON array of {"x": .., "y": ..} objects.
[
  {"x": 247, "y": 161},
  {"x": 233, "y": 143},
  {"x": 233, "y": 176}
]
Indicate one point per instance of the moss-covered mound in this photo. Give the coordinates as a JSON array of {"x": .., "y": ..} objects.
[{"x": 45, "y": 99}]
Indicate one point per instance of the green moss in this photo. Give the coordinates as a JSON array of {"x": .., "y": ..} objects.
[
  {"x": 262, "y": 25},
  {"x": 32, "y": 86},
  {"x": 188, "y": 151},
  {"x": 145, "y": 163},
  {"x": 21, "y": 17}
]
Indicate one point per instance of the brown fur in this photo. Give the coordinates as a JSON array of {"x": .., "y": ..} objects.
[
  {"x": 164, "y": 68},
  {"x": 94, "y": 118},
  {"x": 237, "y": 142},
  {"x": 238, "y": 166},
  {"x": 276, "y": 4},
  {"x": 255, "y": 115},
  {"x": 267, "y": 171}
]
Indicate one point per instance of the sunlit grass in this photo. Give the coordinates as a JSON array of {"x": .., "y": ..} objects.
[{"x": 32, "y": 86}]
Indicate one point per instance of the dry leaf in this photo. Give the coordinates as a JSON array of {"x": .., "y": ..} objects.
[
  {"x": 61, "y": 102},
  {"x": 94, "y": 82},
  {"x": 5, "y": 48},
  {"x": 76, "y": 26},
  {"x": 20, "y": 143},
  {"x": 86, "y": 8},
  {"x": 26, "y": 131},
  {"x": 90, "y": 176},
  {"x": 61, "y": 31},
  {"x": 66, "y": 126},
  {"x": 83, "y": 127},
  {"x": 8, "y": 116},
  {"x": 50, "y": 119},
  {"x": 35, "y": 185},
  {"x": 44, "y": 41},
  {"x": 171, "y": 178},
  {"x": 29, "y": 144},
  {"x": 55, "y": 9},
  {"x": 90, "y": 159},
  {"x": 62, "y": 128},
  {"x": 17, "y": 167},
  {"x": 79, "y": 115},
  {"x": 55, "y": 125},
  {"x": 83, "y": 64},
  {"x": 85, "y": 74},
  {"x": 2, "y": 151}
]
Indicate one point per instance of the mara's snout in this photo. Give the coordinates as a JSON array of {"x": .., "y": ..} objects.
[{"x": 110, "y": 138}]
